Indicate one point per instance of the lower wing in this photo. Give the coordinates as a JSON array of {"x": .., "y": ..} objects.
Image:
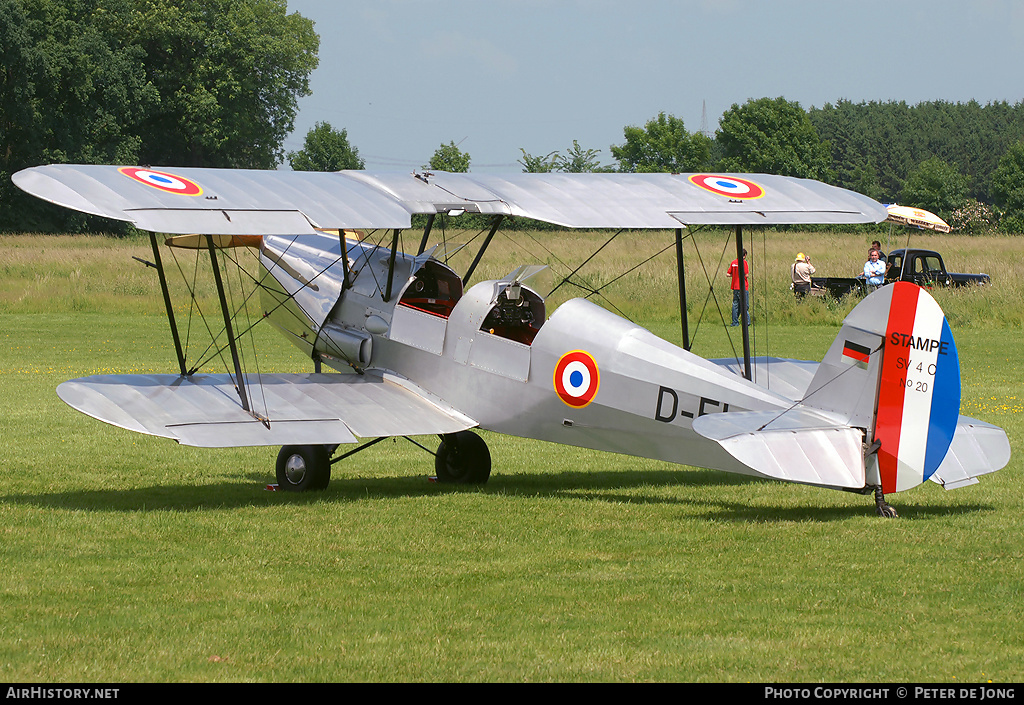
[{"x": 205, "y": 410}]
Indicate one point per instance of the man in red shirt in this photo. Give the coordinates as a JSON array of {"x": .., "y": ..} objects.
[{"x": 734, "y": 272}]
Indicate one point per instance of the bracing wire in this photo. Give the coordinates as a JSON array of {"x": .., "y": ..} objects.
[
  {"x": 711, "y": 295},
  {"x": 252, "y": 338},
  {"x": 631, "y": 269},
  {"x": 578, "y": 284},
  {"x": 592, "y": 256},
  {"x": 213, "y": 349},
  {"x": 764, "y": 307},
  {"x": 194, "y": 305}
]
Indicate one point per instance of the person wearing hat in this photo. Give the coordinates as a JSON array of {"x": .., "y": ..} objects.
[{"x": 802, "y": 271}]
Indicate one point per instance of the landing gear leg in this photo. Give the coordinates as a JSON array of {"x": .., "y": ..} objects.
[{"x": 883, "y": 508}]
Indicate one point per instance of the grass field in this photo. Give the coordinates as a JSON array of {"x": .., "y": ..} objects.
[{"x": 130, "y": 558}]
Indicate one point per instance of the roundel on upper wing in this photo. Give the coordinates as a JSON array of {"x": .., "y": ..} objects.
[
  {"x": 577, "y": 378},
  {"x": 162, "y": 180},
  {"x": 730, "y": 186}
]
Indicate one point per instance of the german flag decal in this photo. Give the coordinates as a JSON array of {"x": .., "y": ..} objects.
[{"x": 854, "y": 354}]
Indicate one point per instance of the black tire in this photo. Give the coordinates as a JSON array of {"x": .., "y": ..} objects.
[
  {"x": 463, "y": 458},
  {"x": 303, "y": 468}
]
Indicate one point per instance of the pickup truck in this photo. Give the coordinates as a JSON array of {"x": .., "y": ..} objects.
[{"x": 922, "y": 267}]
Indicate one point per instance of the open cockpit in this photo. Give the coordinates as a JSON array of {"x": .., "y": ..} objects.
[{"x": 434, "y": 289}]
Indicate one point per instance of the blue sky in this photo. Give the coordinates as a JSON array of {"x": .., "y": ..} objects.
[{"x": 494, "y": 76}]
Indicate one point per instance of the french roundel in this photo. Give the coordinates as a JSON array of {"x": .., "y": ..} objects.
[
  {"x": 577, "y": 378},
  {"x": 731, "y": 186},
  {"x": 162, "y": 180}
]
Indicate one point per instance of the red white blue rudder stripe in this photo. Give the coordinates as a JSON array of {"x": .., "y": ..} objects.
[{"x": 919, "y": 390}]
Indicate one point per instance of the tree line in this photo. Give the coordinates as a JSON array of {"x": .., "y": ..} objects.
[
  {"x": 963, "y": 161},
  {"x": 215, "y": 83}
]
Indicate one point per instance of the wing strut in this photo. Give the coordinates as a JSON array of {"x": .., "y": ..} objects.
[
  {"x": 684, "y": 321},
  {"x": 744, "y": 303},
  {"x": 483, "y": 248},
  {"x": 240, "y": 380},
  {"x": 391, "y": 265},
  {"x": 426, "y": 234},
  {"x": 346, "y": 280},
  {"x": 167, "y": 304}
]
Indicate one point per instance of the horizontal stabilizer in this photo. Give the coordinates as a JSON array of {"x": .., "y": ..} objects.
[
  {"x": 784, "y": 376},
  {"x": 977, "y": 448},
  {"x": 301, "y": 409},
  {"x": 799, "y": 445}
]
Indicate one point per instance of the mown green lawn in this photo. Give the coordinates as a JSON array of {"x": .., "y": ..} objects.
[{"x": 130, "y": 558}]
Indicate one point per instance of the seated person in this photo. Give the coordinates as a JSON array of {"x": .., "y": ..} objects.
[
  {"x": 874, "y": 270},
  {"x": 876, "y": 245}
]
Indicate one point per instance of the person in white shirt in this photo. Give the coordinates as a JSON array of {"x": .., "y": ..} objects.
[{"x": 874, "y": 270}]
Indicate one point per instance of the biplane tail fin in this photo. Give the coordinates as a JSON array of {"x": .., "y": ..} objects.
[
  {"x": 894, "y": 371},
  {"x": 882, "y": 409}
]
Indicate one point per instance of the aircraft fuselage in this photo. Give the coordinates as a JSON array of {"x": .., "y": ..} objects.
[{"x": 583, "y": 376}]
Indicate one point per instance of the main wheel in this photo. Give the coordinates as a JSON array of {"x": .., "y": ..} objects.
[
  {"x": 303, "y": 468},
  {"x": 463, "y": 458}
]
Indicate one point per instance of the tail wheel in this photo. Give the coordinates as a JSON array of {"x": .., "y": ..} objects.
[
  {"x": 463, "y": 458},
  {"x": 303, "y": 468}
]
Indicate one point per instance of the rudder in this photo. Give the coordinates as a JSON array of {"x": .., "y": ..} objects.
[
  {"x": 893, "y": 370},
  {"x": 919, "y": 390}
]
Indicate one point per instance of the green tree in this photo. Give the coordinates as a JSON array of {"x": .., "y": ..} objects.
[
  {"x": 772, "y": 136},
  {"x": 449, "y": 157},
  {"x": 576, "y": 160},
  {"x": 69, "y": 91},
  {"x": 539, "y": 165},
  {"x": 846, "y": 128},
  {"x": 207, "y": 83},
  {"x": 881, "y": 143},
  {"x": 662, "y": 145},
  {"x": 229, "y": 74},
  {"x": 935, "y": 186},
  {"x": 22, "y": 65},
  {"x": 1008, "y": 189},
  {"x": 579, "y": 161},
  {"x": 325, "y": 149}
]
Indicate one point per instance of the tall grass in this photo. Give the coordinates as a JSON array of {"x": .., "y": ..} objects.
[
  {"x": 129, "y": 558},
  {"x": 45, "y": 273}
]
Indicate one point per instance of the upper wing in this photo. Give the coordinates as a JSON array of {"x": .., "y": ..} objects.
[
  {"x": 236, "y": 201},
  {"x": 216, "y": 201},
  {"x": 660, "y": 201},
  {"x": 204, "y": 410}
]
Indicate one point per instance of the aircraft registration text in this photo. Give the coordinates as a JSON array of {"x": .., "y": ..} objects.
[{"x": 668, "y": 408}]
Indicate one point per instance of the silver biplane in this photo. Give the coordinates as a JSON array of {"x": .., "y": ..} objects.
[{"x": 413, "y": 349}]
